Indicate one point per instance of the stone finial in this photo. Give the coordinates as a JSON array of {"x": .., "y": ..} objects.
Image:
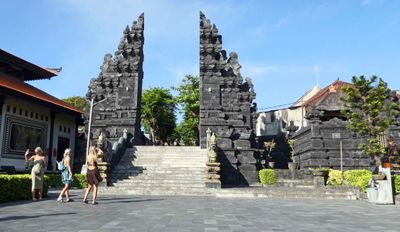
[
  {"x": 291, "y": 129},
  {"x": 213, "y": 149},
  {"x": 314, "y": 114}
]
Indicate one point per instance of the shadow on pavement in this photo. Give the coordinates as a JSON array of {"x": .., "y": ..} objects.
[
  {"x": 32, "y": 216},
  {"x": 125, "y": 200}
]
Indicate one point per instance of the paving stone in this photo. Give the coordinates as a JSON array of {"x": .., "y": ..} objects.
[{"x": 204, "y": 213}]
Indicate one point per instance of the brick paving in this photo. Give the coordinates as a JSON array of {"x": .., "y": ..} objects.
[{"x": 162, "y": 213}]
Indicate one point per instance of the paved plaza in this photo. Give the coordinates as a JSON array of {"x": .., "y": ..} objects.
[{"x": 150, "y": 213}]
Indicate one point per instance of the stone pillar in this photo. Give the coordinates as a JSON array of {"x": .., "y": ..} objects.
[
  {"x": 227, "y": 108},
  {"x": 118, "y": 88}
]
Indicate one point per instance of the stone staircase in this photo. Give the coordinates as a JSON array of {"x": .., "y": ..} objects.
[
  {"x": 160, "y": 170},
  {"x": 163, "y": 170}
]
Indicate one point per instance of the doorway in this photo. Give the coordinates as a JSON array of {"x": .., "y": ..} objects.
[{"x": 62, "y": 144}]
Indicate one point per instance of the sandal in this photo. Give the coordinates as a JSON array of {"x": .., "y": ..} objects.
[
  {"x": 95, "y": 203},
  {"x": 59, "y": 199},
  {"x": 86, "y": 202}
]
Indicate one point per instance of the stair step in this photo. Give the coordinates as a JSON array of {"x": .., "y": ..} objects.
[
  {"x": 160, "y": 184},
  {"x": 160, "y": 170}
]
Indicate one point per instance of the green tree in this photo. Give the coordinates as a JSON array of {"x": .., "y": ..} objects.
[
  {"x": 158, "y": 114},
  {"x": 189, "y": 99},
  {"x": 369, "y": 111},
  {"x": 77, "y": 101}
]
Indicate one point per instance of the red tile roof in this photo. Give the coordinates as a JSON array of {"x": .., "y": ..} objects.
[
  {"x": 323, "y": 93},
  {"x": 21, "y": 87}
]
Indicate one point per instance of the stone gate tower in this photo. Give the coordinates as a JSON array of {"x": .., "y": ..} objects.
[
  {"x": 226, "y": 108},
  {"x": 118, "y": 88}
]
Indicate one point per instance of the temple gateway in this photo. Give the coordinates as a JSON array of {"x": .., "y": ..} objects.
[{"x": 227, "y": 111}]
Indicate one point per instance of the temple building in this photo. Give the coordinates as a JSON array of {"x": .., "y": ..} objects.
[
  {"x": 275, "y": 122},
  {"x": 30, "y": 117}
]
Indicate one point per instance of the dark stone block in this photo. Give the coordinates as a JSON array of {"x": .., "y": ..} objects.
[
  {"x": 224, "y": 143},
  {"x": 346, "y": 162},
  {"x": 318, "y": 163},
  {"x": 242, "y": 144},
  {"x": 246, "y": 159}
]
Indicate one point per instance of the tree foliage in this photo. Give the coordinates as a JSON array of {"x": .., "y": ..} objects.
[
  {"x": 77, "y": 101},
  {"x": 189, "y": 99},
  {"x": 369, "y": 110},
  {"x": 158, "y": 114}
]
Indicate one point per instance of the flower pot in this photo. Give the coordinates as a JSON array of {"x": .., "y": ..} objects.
[
  {"x": 378, "y": 177},
  {"x": 271, "y": 164},
  {"x": 292, "y": 166},
  {"x": 387, "y": 165}
]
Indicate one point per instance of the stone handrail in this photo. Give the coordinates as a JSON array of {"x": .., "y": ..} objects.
[{"x": 118, "y": 150}]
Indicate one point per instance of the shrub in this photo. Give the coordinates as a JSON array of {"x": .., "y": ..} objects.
[
  {"x": 18, "y": 187},
  {"x": 79, "y": 181},
  {"x": 267, "y": 176},
  {"x": 335, "y": 177},
  {"x": 55, "y": 181},
  {"x": 396, "y": 183},
  {"x": 358, "y": 178}
]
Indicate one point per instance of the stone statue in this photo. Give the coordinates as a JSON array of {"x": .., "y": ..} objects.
[{"x": 213, "y": 149}]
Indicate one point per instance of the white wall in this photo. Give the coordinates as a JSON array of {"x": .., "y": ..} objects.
[
  {"x": 64, "y": 126},
  {"x": 274, "y": 122},
  {"x": 23, "y": 112},
  {"x": 64, "y": 121}
]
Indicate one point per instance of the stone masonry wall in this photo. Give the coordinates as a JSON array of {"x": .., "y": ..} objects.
[
  {"x": 319, "y": 146},
  {"x": 119, "y": 87},
  {"x": 226, "y": 108}
]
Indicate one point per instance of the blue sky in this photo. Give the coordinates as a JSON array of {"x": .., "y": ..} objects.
[{"x": 279, "y": 43}]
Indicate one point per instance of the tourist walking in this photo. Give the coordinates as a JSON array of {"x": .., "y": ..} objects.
[
  {"x": 93, "y": 177},
  {"x": 37, "y": 172},
  {"x": 66, "y": 175}
]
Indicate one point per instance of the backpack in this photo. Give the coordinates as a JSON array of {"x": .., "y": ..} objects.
[{"x": 60, "y": 165}]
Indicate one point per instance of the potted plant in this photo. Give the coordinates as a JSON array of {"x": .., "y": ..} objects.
[
  {"x": 269, "y": 147},
  {"x": 392, "y": 153},
  {"x": 291, "y": 163}
]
